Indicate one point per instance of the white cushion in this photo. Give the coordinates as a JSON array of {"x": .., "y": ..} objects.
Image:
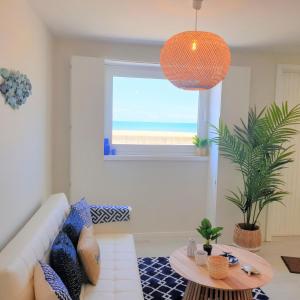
[
  {"x": 18, "y": 258},
  {"x": 119, "y": 275}
]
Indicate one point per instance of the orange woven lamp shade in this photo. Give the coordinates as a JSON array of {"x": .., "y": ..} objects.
[{"x": 195, "y": 60}]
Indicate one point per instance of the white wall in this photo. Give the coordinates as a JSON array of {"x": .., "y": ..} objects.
[
  {"x": 215, "y": 96},
  {"x": 263, "y": 72},
  {"x": 166, "y": 196},
  {"x": 25, "y": 134},
  {"x": 64, "y": 50},
  {"x": 234, "y": 106},
  {"x": 140, "y": 175},
  {"x": 165, "y": 193}
]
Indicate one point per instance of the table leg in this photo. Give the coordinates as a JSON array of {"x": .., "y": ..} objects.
[{"x": 196, "y": 291}]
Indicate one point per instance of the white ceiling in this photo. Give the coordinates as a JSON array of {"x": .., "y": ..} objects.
[{"x": 242, "y": 23}]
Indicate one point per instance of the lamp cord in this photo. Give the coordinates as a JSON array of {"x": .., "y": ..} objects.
[{"x": 196, "y": 20}]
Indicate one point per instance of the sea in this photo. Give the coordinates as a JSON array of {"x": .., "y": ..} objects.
[{"x": 155, "y": 126}]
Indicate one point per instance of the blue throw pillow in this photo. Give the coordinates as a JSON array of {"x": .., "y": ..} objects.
[
  {"x": 73, "y": 226},
  {"x": 43, "y": 273},
  {"x": 83, "y": 209},
  {"x": 64, "y": 261}
]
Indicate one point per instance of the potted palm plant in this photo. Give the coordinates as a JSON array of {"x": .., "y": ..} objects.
[
  {"x": 209, "y": 233},
  {"x": 201, "y": 145},
  {"x": 260, "y": 149}
]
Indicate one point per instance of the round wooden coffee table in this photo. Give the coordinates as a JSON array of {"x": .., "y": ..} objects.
[{"x": 237, "y": 286}]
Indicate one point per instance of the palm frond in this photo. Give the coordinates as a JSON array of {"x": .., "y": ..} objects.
[{"x": 258, "y": 148}]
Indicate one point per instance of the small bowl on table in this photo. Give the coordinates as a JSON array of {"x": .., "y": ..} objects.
[{"x": 218, "y": 267}]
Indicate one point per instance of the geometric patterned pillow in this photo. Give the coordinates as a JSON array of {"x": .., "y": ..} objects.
[
  {"x": 83, "y": 209},
  {"x": 110, "y": 213},
  {"x": 48, "y": 285},
  {"x": 64, "y": 261}
]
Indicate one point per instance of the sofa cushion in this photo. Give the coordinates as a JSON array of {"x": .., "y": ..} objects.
[
  {"x": 89, "y": 254},
  {"x": 64, "y": 261},
  {"x": 48, "y": 285},
  {"x": 73, "y": 226},
  {"x": 119, "y": 278},
  {"x": 83, "y": 209}
]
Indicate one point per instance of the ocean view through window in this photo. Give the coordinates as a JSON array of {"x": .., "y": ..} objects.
[
  {"x": 151, "y": 111},
  {"x": 147, "y": 117}
]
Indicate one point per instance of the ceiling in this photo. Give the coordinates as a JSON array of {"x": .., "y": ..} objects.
[{"x": 243, "y": 23}]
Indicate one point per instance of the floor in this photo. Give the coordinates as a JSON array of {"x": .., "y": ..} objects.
[{"x": 284, "y": 286}]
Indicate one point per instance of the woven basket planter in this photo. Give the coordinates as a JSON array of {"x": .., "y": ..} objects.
[
  {"x": 247, "y": 239},
  {"x": 218, "y": 267}
]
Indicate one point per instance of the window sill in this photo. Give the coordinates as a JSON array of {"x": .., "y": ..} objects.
[{"x": 156, "y": 157}]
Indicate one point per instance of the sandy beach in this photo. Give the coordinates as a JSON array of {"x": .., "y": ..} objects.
[{"x": 151, "y": 137}]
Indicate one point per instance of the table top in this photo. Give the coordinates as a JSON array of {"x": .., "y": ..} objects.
[{"x": 237, "y": 279}]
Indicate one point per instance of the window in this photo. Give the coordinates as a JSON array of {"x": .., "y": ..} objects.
[{"x": 146, "y": 114}]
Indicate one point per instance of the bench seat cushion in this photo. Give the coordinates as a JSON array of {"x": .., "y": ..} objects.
[{"x": 119, "y": 276}]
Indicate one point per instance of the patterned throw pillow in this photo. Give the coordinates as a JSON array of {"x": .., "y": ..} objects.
[
  {"x": 64, "y": 261},
  {"x": 73, "y": 226},
  {"x": 48, "y": 285},
  {"x": 89, "y": 254},
  {"x": 83, "y": 209}
]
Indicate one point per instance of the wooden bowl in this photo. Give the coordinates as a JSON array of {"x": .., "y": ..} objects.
[{"x": 218, "y": 267}]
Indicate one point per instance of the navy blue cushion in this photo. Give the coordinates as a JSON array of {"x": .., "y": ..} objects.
[
  {"x": 73, "y": 226},
  {"x": 64, "y": 261},
  {"x": 83, "y": 209}
]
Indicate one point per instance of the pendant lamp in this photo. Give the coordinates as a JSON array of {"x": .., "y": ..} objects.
[{"x": 195, "y": 60}]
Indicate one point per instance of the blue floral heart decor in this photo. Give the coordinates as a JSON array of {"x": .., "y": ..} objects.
[{"x": 15, "y": 87}]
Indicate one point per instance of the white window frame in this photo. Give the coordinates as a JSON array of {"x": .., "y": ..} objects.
[{"x": 115, "y": 68}]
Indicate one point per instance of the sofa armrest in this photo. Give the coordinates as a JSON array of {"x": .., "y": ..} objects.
[{"x": 110, "y": 213}]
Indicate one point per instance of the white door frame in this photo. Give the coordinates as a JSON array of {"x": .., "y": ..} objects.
[{"x": 278, "y": 99}]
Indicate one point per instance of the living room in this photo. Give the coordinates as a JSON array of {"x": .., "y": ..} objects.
[{"x": 70, "y": 134}]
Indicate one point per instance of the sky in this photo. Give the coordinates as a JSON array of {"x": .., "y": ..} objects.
[{"x": 152, "y": 100}]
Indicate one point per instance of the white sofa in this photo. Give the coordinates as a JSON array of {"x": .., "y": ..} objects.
[{"x": 119, "y": 277}]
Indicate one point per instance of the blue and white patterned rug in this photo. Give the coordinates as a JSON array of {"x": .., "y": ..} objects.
[{"x": 160, "y": 282}]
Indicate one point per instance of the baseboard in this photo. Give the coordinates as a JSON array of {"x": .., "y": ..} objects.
[
  {"x": 143, "y": 236},
  {"x": 285, "y": 235}
]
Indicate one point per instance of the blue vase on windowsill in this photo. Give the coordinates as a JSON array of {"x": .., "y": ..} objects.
[{"x": 106, "y": 146}]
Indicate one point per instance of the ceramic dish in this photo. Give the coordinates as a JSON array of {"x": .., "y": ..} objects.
[{"x": 231, "y": 259}]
